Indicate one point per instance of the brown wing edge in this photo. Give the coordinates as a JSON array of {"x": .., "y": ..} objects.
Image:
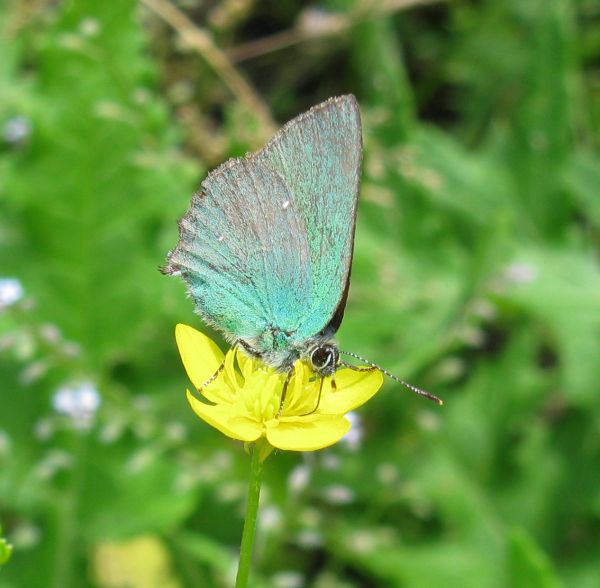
[
  {"x": 338, "y": 314},
  {"x": 170, "y": 268}
]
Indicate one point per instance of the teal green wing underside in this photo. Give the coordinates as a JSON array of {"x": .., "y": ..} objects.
[
  {"x": 323, "y": 174},
  {"x": 265, "y": 247},
  {"x": 245, "y": 261}
]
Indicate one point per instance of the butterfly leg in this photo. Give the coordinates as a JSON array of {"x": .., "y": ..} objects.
[
  {"x": 249, "y": 350},
  {"x": 213, "y": 377},
  {"x": 217, "y": 373},
  {"x": 284, "y": 389},
  {"x": 333, "y": 384},
  {"x": 319, "y": 396}
]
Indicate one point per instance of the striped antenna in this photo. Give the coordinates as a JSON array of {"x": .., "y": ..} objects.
[{"x": 374, "y": 366}]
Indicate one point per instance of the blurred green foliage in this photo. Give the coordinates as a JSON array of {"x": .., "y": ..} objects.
[
  {"x": 475, "y": 275},
  {"x": 5, "y": 549}
]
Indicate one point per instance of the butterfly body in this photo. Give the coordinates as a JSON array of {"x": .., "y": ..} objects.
[{"x": 265, "y": 247}]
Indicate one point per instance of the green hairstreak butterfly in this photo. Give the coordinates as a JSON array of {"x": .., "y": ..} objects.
[{"x": 265, "y": 247}]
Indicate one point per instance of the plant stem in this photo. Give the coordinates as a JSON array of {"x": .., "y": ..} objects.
[
  {"x": 256, "y": 469},
  {"x": 67, "y": 510}
]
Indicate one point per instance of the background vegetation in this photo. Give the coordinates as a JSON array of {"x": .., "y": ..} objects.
[{"x": 475, "y": 276}]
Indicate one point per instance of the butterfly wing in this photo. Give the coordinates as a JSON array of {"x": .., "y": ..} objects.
[
  {"x": 243, "y": 252},
  {"x": 266, "y": 246},
  {"x": 319, "y": 155}
]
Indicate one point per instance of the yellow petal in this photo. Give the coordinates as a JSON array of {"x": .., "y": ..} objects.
[
  {"x": 218, "y": 392},
  {"x": 302, "y": 394},
  {"x": 245, "y": 363},
  {"x": 225, "y": 419},
  {"x": 307, "y": 433},
  {"x": 353, "y": 389},
  {"x": 200, "y": 355},
  {"x": 231, "y": 376},
  {"x": 270, "y": 394}
]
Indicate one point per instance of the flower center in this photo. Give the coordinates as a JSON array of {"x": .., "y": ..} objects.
[{"x": 261, "y": 393}]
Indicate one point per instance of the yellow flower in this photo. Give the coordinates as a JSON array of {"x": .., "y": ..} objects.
[{"x": 245, "y": 402}]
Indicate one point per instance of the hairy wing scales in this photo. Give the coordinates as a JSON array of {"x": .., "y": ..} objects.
[
  {"x": 324, "y": 176},
  {"x": 268, "y": 243},
  {"x": 240, "y": 253}
]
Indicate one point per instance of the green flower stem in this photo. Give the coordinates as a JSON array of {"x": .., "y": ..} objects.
[
  {"x": 67, "y": 512},
  {"x": 256, "y": 469}
]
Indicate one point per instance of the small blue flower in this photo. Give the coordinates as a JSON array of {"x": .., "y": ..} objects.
[
  {"x": 79, "y": 402},
  {"x": 11, "y": 291},
  {"x": 16, "y": 129}
]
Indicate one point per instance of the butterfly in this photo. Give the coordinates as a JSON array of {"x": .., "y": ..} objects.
[{"x": 266, "y": 245}]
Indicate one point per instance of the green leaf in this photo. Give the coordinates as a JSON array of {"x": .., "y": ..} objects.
[
  {"x": 542, "y": 120},
  {"x": 90, "y": 194},
  {"x": 559, "y": 288},
  {"x": 5, "y": 549},
  {"x": 582, "y": 178},
  {"x": 529, "y": 566},
  {"x": 206, "y": 551},
  {"x": 142, "y": 494}
]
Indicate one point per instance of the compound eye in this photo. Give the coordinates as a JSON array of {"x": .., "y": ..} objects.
[{"x": 321, "y": 357}]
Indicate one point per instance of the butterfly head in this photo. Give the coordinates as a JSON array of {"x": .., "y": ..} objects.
[{"x": 324, "y": 358}]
